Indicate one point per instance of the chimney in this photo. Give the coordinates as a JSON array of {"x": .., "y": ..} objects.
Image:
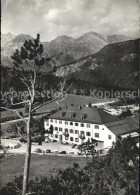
[
  {"x": 65, "y": 106},
  {"x": 80, "y": 107}
]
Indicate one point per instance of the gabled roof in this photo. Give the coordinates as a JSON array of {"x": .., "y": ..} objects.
[
  {"x": 85, "y": 114},
  {"x": 128, "y": 125},
  {"x": 95, "y": 115}
]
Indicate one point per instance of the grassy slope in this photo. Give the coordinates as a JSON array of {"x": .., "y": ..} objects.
[{"x": 40, "y": 165}]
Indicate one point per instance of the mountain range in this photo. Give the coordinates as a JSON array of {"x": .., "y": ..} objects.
[
  {"x": 110, "y": 61},
  {"x": 65, "y": 49}
]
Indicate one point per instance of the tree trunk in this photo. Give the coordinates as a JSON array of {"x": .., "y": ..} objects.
[{"x": 27, "y": 158}]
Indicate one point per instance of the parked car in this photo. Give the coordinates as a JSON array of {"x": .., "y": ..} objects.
[
  {"x": 71, "y": 144},
  {"x": 79, "y": 153},
  {"x": 17, "y": 146},
  {"x": 38, "y": 150},
  {"x": 23, "y": 140},
  {"x": 56, "y": 151},
  {"x": 71, "y": 152},
  {"x": 74, "y": 145},
  {"x": 48, "y": 151},
  {"x": 65, "y": 143},
  {"x": 63, "y": 152},
  {"x": 46, "y": 141},
  {"x": 53, "y": 140}
]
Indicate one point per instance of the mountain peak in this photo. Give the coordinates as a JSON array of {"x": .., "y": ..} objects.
[
  {"x": 5, "y": 38},
  {"x": 24, "y": 36},
  {"x": 92, "y": 34},
  {"x": 7, "y": 34},
  {"x": 63, "y": 38}
]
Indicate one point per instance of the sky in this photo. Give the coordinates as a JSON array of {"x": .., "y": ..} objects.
[{"x": 52, "y": 18}]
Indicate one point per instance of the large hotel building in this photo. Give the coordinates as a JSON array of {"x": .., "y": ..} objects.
[{"x": 75, "y": 124}]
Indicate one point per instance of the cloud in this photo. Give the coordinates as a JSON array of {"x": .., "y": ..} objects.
[{"x": 52, "y": 18}]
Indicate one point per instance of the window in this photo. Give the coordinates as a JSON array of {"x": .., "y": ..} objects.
[
  {"x": 82, "y": 133},
  {"x": 88, "y": 133},
  {"x": 55, "y": 121},
  {"x": 102, "y": 128},
  {"x": 76, "y": 124},
  {"x": 56, "y": 136},
  {"x": 109, "y": 137},
  {"x": 82, "y": 124},
  {"x": 97, "y": 135},
  {"x": 76, "y": 132},
  {"x": 71, "y": 123},
  {"x": 88, "y": 125},
  {"x": 66, "y": 122},
  {"x": 66, "y": 130},
  {"x": 76, "y": 140},
  {"x": 66, "y": 138},
  {"x": 60, "y": 122},
  {"x": 71, "y": 139},
  {"x": 71, "y": 130},
  {"x": 56, "y": 128},
  {"x": 96, "y": 126},
  {"x": 47, "y": 124},
  {"x": 51, "y": 120},
  {"x": 60, "y": 129}
]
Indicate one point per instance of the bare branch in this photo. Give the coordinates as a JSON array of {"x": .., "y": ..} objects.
[
  {"x": 16, "y": 113},
  {"x": 29, "y": 193},
  {"x": 5, "y": 149},
  {"x": 7, "y": 154},
  {"x": 26, "y": 85},
  {"x": 20, "y": 133},
  {"x": 25, "y": 78},
  {"x": 45, "y": 103},
  {"x": 18, "y": 190},
  {"x": 24, "y": 102}
]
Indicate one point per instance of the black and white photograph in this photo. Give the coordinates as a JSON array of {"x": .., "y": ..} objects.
[{"x": 69, "y": 97}]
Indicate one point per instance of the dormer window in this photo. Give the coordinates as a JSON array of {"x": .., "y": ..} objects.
[
  {"x": 83, "y": 116},
  {"x": 63, "y": 114},
  {"x": 65, "y": 106},
  {"x": 73, "y": 115}
]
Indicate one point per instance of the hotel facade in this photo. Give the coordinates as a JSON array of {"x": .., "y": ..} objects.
[{"x": 77, "y": 124}]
